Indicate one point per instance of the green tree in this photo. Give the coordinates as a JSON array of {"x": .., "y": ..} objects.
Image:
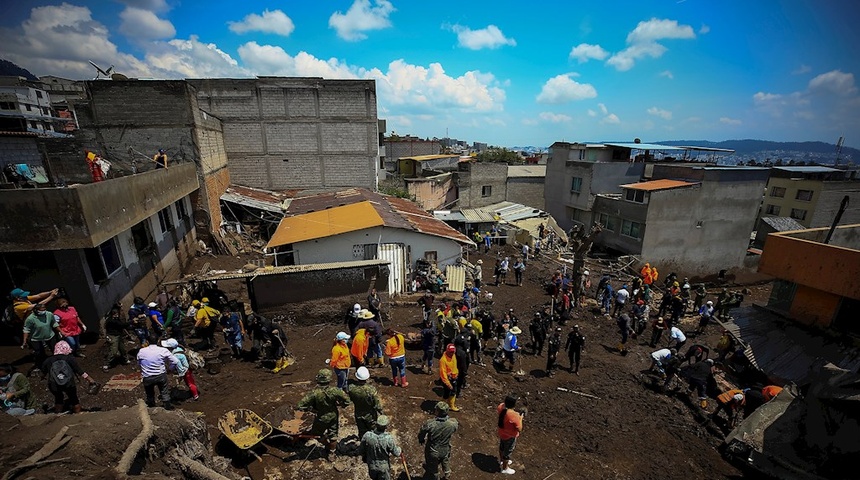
[{"x": 499, "y": 155}]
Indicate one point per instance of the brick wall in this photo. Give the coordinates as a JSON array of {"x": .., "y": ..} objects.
[
  {"x": 526, "y": 190},
  {"x": 17, "y": 150},
  {"x": 474, "y": 176}
]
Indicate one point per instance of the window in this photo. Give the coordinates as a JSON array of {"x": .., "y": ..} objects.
[
  {"x": 103, "y": 260},
  {"x": 576, "y": 184},
  {"x": 608, "y": 222},
  {"x": 804, "y": 195},
  {"x": 181, "y": 210},
  {"x": 486, "y": 190},
  {"x": 28, "y": 108},
  {"x": 631, "y": 229},
  {"x": 798, "y": 214},
  {"x": 632, "y": 195},
  {"x": 38, "y": 94},
  {"x": 165, "y": 221},
  {"x": 772, "y": 209},
  {"x": 778, "y": 192},
  {"x": 582, "y": 154},
  {"x": 367, "y": 251},
  {"x": 142, "y": 239},
  {"x": 7, "y": 106}
]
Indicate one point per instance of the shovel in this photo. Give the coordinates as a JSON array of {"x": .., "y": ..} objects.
[{"x": 286, "y": 359}]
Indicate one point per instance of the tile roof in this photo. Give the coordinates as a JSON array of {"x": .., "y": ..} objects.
[
  {"x": 663, "y": 184},
  {"x": 783, "y": 224}
]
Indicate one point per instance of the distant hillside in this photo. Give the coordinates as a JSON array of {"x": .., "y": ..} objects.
[
  {"x": 753, "y": 146},
  {"x": 8, "y": 68}
]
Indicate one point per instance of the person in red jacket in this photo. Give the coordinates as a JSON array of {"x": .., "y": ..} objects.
[{"x": 510, "y": 425}]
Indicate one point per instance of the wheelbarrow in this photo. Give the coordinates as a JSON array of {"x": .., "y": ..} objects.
[
  {"x": 244, "y": 428},
  {"x": 291, "y": 424}
]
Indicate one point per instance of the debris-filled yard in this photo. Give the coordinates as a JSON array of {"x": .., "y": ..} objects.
[{"x": 612, "y": 420}]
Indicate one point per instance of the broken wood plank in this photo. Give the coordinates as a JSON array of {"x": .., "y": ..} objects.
[
  {"x": 290, "y": 384},
  {"x": 562, "y": 389}
]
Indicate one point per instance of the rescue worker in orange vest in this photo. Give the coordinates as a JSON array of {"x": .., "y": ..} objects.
[
  {"x": 360, "y": 344},
  {"x": 731, "y": 401},
  {"x": 340, "y": 361},
  {"x": 647, "y": 279},
  {"x": 770, "y": 391},
  {"x": 395, "y": 350},
  {"x": 449, "y": 372}
]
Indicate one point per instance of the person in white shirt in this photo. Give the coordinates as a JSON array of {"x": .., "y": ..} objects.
[
  {"x": 660, "y": 358},
  {"x": 678, "y": 336},
  {"x": 621, "y": 297},
  {"x": 154, "y": 362},
  {"x": 525, "y": 252}
]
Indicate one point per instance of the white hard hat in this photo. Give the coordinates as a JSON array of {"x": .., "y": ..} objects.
[
  {"x": 342, "y": 336},
  {"x": 362, "y": 373},
  {"x": 585, "y": 272},
  {"x": 152, "y": 304},
  {"x": 356, "y": 308},
  {"x": 710, "y": 302},
  {"x": 738, "y": 397}
]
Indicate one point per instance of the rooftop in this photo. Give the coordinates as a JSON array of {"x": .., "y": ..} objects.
[
  {"x": 783, "y": 224},
  {"x": 325, "y": 223},
  {"x": 258, "y": 198},
  {"x": 654, "y": 185},
  {"x": 527, "y": 171},
  {"x": 424, "y": 158},
  {"x": 645, "y": 146},
  {"x": 807, "y": 169}
]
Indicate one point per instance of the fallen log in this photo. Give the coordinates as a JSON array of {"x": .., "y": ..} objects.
[
  {"x": 46, "y": 451},
  {"x": 138, "y": 443},
  {"x": 562, "y": 389},
  {"x": 197, "y": 469},
  {"x": 290, "y": 384}
]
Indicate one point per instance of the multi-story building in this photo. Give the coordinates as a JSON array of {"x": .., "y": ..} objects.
[
  {"x": 296, "y": 133},
  {"x": 811, "y": 195},
  {"x": 408, "y": 146},
  {"x": 25, "y": 108},
  {"x": 693, "y": 220}
]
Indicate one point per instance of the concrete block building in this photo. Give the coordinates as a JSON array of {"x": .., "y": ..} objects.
[
  {"x": 296, "y": 133},
  {"x": 696, "y": 221},
  {"x": 811, "y": 195}
]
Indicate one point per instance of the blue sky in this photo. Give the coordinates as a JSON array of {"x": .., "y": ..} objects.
[{"x": 506, "y": 73}]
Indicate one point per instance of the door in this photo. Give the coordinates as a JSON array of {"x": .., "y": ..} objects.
[{"x": 395, "y": 253}]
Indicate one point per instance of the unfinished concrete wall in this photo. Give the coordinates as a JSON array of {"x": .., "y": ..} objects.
[
  {"x": 432, "y": 193},
  {"x": 473, "y": 177},
  {"x": 829, "y": 200},
  {"x": 283, "y": 133},
  {"x": 408, "y": 148},
  {"x": 269, "y": 293},
  {"x": 526, "y": 190},
  {"x": 19, "y": 149},
  {"x": 620, "y": 210}
]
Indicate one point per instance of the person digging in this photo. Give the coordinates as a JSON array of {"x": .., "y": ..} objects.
[{"x": 324, "y": 401}]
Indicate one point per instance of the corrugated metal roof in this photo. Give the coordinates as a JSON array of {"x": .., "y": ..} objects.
[
  {"x": 644, "y": 146},
  {"x": 782, "y": 350},
  {"x": 424, "y": 222},
  {"x": 527, "y": 171},
  {"x": 311, "y": 267},
  {"x": 424, "y": 158},
  {"x": 663, "y": 184},
  {"x": 477, "y": 215},
  {"x": 326, "y": 223},
  {"x": 808, "y": 169},
  {"x": 257, "y": 198},
  {"x": 449, "y": 216},
  {"x": 783, "y": 224}
]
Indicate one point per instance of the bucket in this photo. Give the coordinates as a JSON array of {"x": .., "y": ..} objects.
[
  {"x": 214, "y": 367},
  {"x": 225, "y": 355}
]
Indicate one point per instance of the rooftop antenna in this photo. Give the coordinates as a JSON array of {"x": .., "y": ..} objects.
[
  {"x": 100, "y": 72},
  {"x": 839, "y": 148}
]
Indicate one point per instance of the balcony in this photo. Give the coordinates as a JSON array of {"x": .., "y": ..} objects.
[{"x": 86, "y": 215}]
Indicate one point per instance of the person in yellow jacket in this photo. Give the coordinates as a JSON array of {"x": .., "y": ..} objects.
[
  {"x": 205, "y": 321},
  {"x": 449, "y": 372},
  {"x": 395, "y": 350},
  {"x": 360, "y": 344},
  {"x": 340, "y": 361},
  {"x": 732, "y": 401}
]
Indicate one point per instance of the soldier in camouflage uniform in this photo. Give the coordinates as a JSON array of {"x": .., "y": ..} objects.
[
  {"x": 366, "y": 400},
  {"x": 324, "y": 401},
  {"x": 437, "y": 451},
  {"x": 376, "y": 448}
]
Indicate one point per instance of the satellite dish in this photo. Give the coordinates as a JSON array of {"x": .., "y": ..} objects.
[
  {"x": 101, "y": 72},
  {"x": 636, "y": 140},
  {"x": 118, "y": 76}
]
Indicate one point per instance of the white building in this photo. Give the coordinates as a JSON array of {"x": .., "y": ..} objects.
[{"x": 24, "y": 108}]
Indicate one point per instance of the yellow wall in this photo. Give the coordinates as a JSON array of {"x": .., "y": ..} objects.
[{"x": 788, "y": 201}]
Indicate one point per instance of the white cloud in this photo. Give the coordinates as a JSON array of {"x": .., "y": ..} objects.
[
  {"x": 592, "y": 113},
  {"x": 667, "y": 74},
  {"x": 603, "y": 108},
  {"x": 704, "y": 29},
  {"x": 834, "y": 81},
  {"x": 151, "y": 5},
  {"x": 529, "y": 121},
  {"x": 656, "y": 29},
  {"x": 584, "y": 51},
  {"x": 273, "y": 60},
  {"x": 562, "y": 89},
  {"x": 762, "y": 97},
  {"x": 362, "y": 16},
  {"x": 658, "y": 112},
  {"x": 193, "y": 59},
  {"x": 801, "y": 70},
  {"x": 271, "y": 21},
  {"x": 730, "y": 121},
  {"x": 554, "y": 117},
  {"x": 642, "y": 41},
  {"x": 61, "y": 39},
  {"x": 489, "y": 37},
  {"x": 611, "y": 119},
  {"x": 140, "y": 24}
]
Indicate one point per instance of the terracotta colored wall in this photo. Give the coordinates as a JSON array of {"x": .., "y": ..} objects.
[{"x": 814, "y": 307}]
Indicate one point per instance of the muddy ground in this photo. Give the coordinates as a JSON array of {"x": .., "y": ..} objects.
[{"x": 632, "y": 431}]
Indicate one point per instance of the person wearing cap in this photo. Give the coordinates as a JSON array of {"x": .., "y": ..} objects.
[
  {"x": 553, "y": 346},
  {"x": 625, "y": 328},
  {"x": 373, "y": 331},
  {"x": 154, "y": 361},
  {"x": 137, "y": 315},
  {"x": 160, "y": 159},
  {"x": 352, "y": 318},
  {"x": 583, "y": 286},
  {"x": 462, "y": 345},
  {"x": 700, "y": 296},
  {"x": 706, "y": 313},
  {"x": 205, "y": 323},
  {"x": 519, "y": 267},
  {"x": 183, "y": 369},
  {"x": 325, "y": 401},
  {"x": 487, "y": 241},
  {"x": 731, "y": 401},
  {"x": 376, "y": 449},
  {"x": 658, "y": 326},
  {"x": 41, "y": 332},
  {"x": 478, "y": 273},
  {"x": 537, "y": 330},
  {"x": 233, "y": 330},
  {"x": 395, "y": 350},
  {"x": 192, "y": 310},
  {"x": 366, "y": 400},
  {"x": 426, "y": 304},
  {"x": 475, "y": 347},
  {"x": 448, "y": 373},
  {"x": 340, "y": 360},
  {"x": 574, "y": 346},
  {"x": 698, "y": 376},
  {"x": 435, "y": 434},
  {"x": 697, "y": 351},
  {"x": 156, "y": 318},
  {"x": 511, "y": 346},
  {"x": 510, "y": 424},
  {"x": 660, "y": 358},
  {"x": 23, "y": 303}
]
